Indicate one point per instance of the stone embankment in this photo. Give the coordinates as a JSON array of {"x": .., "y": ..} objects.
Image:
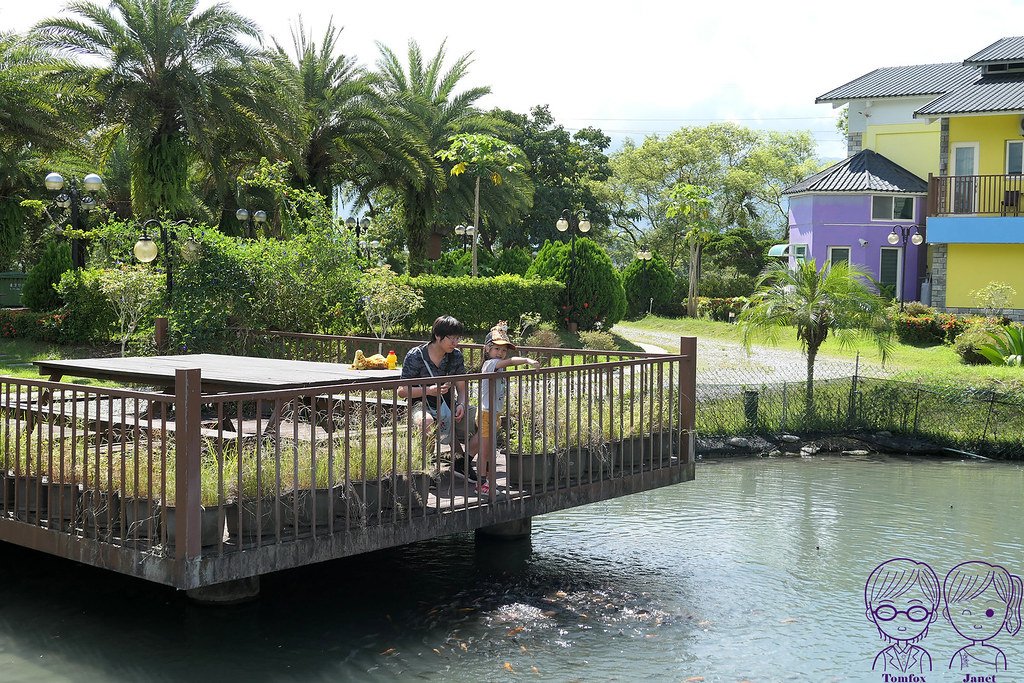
[{"x": 791, "y": 445}]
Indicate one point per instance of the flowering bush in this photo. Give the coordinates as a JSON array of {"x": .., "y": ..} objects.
[
  {"x": 23, "y": 324},
  {"x": 719, "y": 309}
]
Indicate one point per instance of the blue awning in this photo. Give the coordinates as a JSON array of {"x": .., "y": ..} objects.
[{"x": 779, "y": 250}]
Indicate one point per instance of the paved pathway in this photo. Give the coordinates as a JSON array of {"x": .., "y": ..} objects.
[{"x": 727, "y": 362}]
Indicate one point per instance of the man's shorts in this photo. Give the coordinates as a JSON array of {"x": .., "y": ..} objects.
[{"x": 463, "y": 427}]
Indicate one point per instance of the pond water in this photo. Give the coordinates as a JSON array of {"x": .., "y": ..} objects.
[{"x": 753, "y": 572}]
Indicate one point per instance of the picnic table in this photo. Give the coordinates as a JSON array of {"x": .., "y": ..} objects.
[{"x": 219, "y": 374}]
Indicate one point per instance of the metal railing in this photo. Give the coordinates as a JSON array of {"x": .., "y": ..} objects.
[
  {"x": 192, "y": 489},
  {"x": 998, "y": 195}
]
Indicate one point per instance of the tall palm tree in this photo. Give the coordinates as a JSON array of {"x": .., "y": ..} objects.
[
  {"x": 40, "y": 114},
  {"x": 348, "y": 131},
  {"x": 171, "y": 77},
  {"x": 428, "y": 96},
  {"x": 840, "y": 299}
]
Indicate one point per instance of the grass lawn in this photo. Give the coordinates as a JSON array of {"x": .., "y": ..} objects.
[
  {"x": 932, "y": 364},
  {"x": 16, "y": 356}
]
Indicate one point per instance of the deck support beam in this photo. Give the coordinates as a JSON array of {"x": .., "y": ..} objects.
[
  {"x": 507, "y": 531},
  {"x": 227, "y": 593}
]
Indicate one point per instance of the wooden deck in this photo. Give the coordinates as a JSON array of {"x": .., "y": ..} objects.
[{"x": 191, "y": 489}]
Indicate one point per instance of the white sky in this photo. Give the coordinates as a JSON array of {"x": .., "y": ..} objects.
[{"x": 637, "y": 67}]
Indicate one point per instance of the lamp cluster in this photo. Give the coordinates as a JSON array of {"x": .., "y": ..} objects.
[{"x": 76, "y": 202}]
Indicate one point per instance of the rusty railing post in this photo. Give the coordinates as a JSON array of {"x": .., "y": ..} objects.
[
  {"x": 160, "y": 334},
  {"x": 187, "y": 450},
  {"x": 688, "y": 394}
]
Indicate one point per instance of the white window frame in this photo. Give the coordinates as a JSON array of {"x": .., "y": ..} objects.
[
  {"x": 892, "y": 208},
  {"x": 1007, "y": 166},
  {"x": 798, "y": 252},
  {"x": 849, "y": 253},
  {"x": 899, "y": 270}
]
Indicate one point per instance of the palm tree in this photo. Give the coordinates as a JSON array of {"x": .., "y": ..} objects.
[
  {"x": 40, "y": 114},
  {"x": 426, "y": 94},
  {"x": 347, "y": 130},
  {"x": 840, "y": 299},
  {"x": 171, "y": 77}
]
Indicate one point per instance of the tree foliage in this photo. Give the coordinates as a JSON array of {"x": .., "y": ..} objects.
[
  {"x": 171, "y": 76},
  {"x": 563, "y": 168},
  {"x": 745, "y": 169},
  {"x": 131, "y": 292},
  {"x": 386, "y": 300}
]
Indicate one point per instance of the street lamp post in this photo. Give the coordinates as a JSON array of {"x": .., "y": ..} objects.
[
  {"x": 249, "y": 219},
  {"x": 903, "y": 235},
  {"x": 465, "y": 231},
  {"x": 645, "y": 256},
  {"x": 361, "y": 225},
  {"x": 74, "y": 200},
  {"x": 145, "y": 248},
  {"x": 573, "y": 222}
]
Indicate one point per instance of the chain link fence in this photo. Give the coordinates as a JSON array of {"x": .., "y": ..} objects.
[{"x": 849, "y": 397}]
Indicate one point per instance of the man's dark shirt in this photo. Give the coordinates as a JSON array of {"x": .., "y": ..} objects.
[{"x": 415, "y": 365}]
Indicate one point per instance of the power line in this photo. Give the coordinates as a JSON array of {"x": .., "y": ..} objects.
[{"x": 708, "y": 118}]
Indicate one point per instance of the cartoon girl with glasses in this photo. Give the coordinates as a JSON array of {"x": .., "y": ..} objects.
[
  {"x": 981, "y": 600},
  {"x": 902, "y": 598}
]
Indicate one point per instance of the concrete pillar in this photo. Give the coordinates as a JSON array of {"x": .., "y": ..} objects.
[
  {"x": 507, "y": 531},
  {"x": 940, "y": 258},
  {"x": 227, "y": 593}
]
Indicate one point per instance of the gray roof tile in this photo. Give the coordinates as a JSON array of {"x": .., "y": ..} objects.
[
  {"x": 865, "y": 171},
  {"x": 904, "y": 81},
  {"x": 988, "y": 94},
  {"x": 1003, "y": 50}
]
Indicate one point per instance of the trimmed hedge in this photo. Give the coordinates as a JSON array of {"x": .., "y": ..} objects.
[{"x": 480, "y": 302}]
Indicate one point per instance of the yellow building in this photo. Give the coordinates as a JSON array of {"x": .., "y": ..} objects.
[{"x": 961, "y": 125}]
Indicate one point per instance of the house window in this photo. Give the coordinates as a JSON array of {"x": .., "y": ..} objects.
[
  {"x": 799, "y": 252},
  {"x": 1015, "y": 157},
  {"x": 889, "y": 271},
  {"x": 892, "y": 208},
  {"x": 838, "y": 254}
]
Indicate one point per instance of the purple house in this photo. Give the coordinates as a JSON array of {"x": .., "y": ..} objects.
[{"x": 866, "y": 210}]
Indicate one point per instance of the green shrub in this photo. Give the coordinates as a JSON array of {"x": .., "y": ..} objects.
[
  {"x": 88, "y": 316},
  {"x": 513, "y": 261},
  {"x": 478, "y": 302},
  {"x": 917, "y": 308},
  {"x": 39, "y": 293},
  {"x": 593, "y": 287},
  {"x": 20, "y": 324},
  {"x": 598, "y": 341},
  {"x": 973, "y": 338},
  {"x": 921, "y": 330},
  {"x": 719, "y": 309},
  {"x": 642, "y": 284},
  {"x": 545, "y": 337},
  {"x": 726, "y": 283}
]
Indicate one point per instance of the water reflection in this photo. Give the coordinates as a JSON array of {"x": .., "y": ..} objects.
[{"x": 756, "y": 570}]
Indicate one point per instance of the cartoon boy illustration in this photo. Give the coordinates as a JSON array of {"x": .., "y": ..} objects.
[
  {"x": 902, "y": 598},
  {"x": 981, "y": 600}
]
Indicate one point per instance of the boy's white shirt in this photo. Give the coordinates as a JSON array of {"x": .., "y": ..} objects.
[{"x": 490, "y": 366}]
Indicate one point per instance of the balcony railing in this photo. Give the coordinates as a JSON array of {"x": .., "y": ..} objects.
[{"x": 975, "y": 195}]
